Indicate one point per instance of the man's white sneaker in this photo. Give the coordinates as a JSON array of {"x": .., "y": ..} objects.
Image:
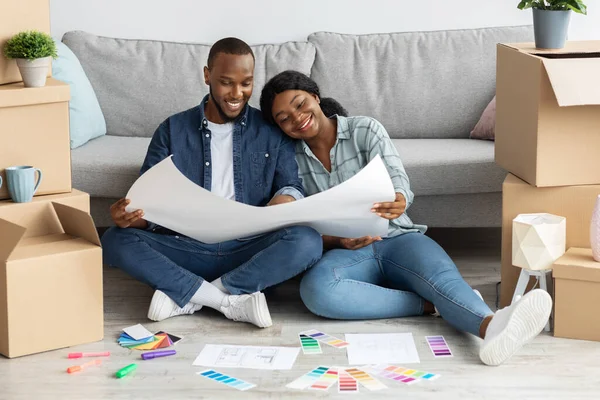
[
  {"x": 514, "y": 326},
  {"x": 162, "y": 307},
  {"x": 248, "y": 308}
]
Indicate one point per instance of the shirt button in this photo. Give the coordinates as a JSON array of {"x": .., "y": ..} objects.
[
  {"x": 207, "y": 135},
  {"x": 243, "y": 123},
  {"x": 266, "y": 154},
  {"x": 207, "y": 163},
  {"x": 176, "y": 237}
]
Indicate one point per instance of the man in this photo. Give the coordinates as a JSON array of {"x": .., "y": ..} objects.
[{"x": 225, "y": 146}]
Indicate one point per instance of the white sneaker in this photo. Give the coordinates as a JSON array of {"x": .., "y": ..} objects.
[
  {"x": 248, "y": 308},
  {"x": 162, "y": 307},
  {"x": 437, "y": 313},
  {"x": 514, "y": 326}
]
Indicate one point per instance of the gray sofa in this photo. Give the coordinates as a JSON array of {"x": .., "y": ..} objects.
[{"x": 427, "y": 88}]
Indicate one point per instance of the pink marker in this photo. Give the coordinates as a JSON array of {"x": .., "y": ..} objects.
[{"x": 79, "y": 355}]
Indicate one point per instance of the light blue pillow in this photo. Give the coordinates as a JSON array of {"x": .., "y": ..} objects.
[{"x": 85, "y": 115}]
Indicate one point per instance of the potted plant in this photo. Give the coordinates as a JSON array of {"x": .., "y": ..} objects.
[
  {"x": 33, "y": 51},
  {"x": 551, "y": 20}
]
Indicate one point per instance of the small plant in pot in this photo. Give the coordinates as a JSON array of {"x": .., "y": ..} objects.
[
  {"x": 33, "y": 51},
  {"x": 551, "y": 20}
]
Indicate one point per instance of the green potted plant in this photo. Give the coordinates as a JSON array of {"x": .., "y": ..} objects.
[
  {"x": 33, "y": 51},
  {"x": 551, "y": 20}
]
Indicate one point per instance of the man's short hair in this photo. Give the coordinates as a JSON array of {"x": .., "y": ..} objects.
[{"x": 228, "y": 45}]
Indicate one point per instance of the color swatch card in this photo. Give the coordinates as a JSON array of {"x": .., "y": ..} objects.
[
  {"x": 365, "y": 379},
  {"x": 325, "y": 381},
  {"x": 309, "y": 345},
  {"x": 401, "y": 374},
  {"x": 346, "y": 383},
  {"x": 137, "y": 332},
  {"x": 158, "y": 341},
  {"x": 325, "y": 338},
  {"x": 438, "y": 346},
  {"x": 308, "y": 379},
  {"x": 226, "y": 380}
]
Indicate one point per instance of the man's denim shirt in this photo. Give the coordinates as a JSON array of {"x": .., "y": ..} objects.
[{"x": 264, "y": 163}]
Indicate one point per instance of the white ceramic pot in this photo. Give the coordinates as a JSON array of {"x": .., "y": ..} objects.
[{"x": 34, "y": 72}]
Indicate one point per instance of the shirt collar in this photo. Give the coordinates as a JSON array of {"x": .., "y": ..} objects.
[{"x": 240, "y": 120}]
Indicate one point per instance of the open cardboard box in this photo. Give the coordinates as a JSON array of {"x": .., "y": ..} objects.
[
  {"x": 50, "y": 277},
  {"x": 548, "y": 113},
  {"x": 34, "y": 130},
  {"x": 17, "y": 16}
]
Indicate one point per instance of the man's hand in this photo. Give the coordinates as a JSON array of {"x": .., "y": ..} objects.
[
  {"x": 391, "y": 210},
  {"x": 280, "y": 199},
  {"x": 355, "y": 244},
  {"x": 124, "y": 219},
  {"x": 334, "y": 242}
]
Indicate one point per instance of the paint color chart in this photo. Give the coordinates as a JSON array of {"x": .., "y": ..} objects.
[
  {"x": 325, "y": 338},
  {"x": 438, "y": 346},
  {"x": 308, "y": 379},
  {"x": 346, "y": 383},
  {"x": 403, "y": 375},
  {"x": 326, "y": 380},
  {"x": 309, "y": 345},
  {"x": 365, "y": 379},
  {"x": 226, "y": 380}
]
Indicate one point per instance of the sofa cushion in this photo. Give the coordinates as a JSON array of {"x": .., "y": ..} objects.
[
  {"x": 417, "y": 84},
  {"x": 86, "y": 120},
  {"x": 108, "y": 166},
  {"x": 450, "y": 166},
  {"x": 139, "y": 83}
]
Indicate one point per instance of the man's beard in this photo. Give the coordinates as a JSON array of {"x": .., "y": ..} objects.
[{"x": 224, "y": 116}]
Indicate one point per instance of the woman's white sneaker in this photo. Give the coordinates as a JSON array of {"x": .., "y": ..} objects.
[{"x": 514, "y": 326}]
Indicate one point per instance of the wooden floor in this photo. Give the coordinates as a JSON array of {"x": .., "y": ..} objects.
[{"x": 548, "y": 368}]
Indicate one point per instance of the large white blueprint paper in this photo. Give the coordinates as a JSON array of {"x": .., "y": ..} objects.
[{"x": 171, "y": 200}]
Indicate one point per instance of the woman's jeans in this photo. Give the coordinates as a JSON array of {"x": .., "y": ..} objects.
[{"x": 389, "y": 279}]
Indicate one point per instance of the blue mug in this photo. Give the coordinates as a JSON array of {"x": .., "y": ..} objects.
[{"x": 21, "y": 182}]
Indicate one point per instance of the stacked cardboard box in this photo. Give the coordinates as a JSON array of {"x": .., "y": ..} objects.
[
  {"x": 50, "y": 255},
  {"x": 548, "y": 139}
]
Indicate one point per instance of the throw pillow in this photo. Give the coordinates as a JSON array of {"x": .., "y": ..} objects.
[
  {"x": 486, "y": 127},
  {"x": 85, "y": 115}
]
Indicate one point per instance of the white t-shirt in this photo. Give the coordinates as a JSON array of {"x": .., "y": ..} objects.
[{"x": 221, "y": 149}]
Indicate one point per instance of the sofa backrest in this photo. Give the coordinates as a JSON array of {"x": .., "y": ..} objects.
[
  {"x": 417, "y": 84},
  {"x": 139, "y": 83}
]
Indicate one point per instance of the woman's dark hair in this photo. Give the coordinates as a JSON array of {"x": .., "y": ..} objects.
[{"x": 294, "y": 80}]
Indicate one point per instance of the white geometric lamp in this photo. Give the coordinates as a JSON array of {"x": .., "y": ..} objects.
[{"x": 538, "y": 240}]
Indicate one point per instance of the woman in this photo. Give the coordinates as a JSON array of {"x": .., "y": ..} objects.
[{"x": 405, "y": 274}]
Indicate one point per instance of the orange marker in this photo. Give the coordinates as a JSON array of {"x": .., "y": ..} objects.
[{"x": 78, "y": 368}]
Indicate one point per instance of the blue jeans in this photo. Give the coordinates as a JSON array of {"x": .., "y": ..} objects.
[
  {"x": 390, "y": 279},
  {"x": 177, "y": 265}
]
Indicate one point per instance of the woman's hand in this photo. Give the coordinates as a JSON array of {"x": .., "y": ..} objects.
[{"x": 391, "y": 210}]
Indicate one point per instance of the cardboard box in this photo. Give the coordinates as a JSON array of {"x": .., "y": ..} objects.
[
  {"x": 17, "y": 16},
  {"x": 575, "y": 203},
  {"x": 576, "y": 289},
  {"x": 548, "y": 113},
  {"x": 50, "y": 275},
  {"x": 34, "y": 130}
]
